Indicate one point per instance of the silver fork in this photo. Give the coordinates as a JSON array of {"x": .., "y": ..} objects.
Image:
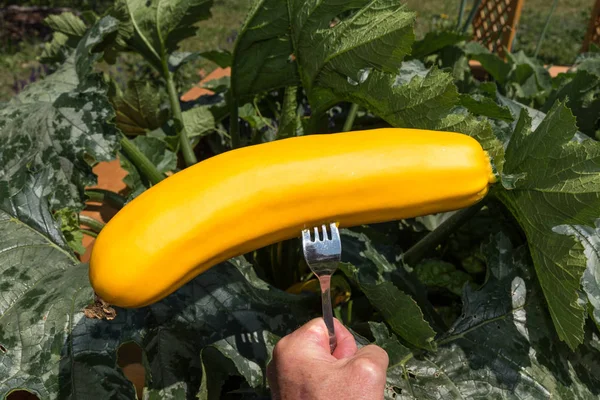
[{"x": 322, "y": 254}]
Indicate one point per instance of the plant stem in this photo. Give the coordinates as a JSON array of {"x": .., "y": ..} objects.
[
  {"x": 140, "y": 161},
  {"x": 471, "y": 16},
  {"x": 111, "y": 198},
  {"x": 541, "y": 39},
  {"x": 413, "y": 255},
  {"x": 89, "y": 233},
  {"x": 461, "y": 13},
  {"x": 186, "y": 147},
  {"x": 234, "y": 124},
  {"x": 94, "y": 225},
  {"x": 350, "y": 118}
]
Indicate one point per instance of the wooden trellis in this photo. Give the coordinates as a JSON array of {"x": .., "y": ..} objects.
[
  {"x": 495, "y": 24},
  {"x": 593, "y": 32}
]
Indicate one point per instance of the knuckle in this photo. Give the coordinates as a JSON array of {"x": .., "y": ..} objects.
[
  {"x": 280, "y": 348},
  {"x": 369, "y": 370}
]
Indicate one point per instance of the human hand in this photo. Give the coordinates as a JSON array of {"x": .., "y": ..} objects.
[{"x": 303, "y": 368}]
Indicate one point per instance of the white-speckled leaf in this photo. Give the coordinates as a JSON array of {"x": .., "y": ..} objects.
[
  {"x": 503, "y": 346},
  {"x": 589, "y": 237},
  {"x": 61, "y": 124}
]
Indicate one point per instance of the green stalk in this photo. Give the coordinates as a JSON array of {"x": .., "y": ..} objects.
[
  {"x": 471, "y": 16},
  {"x": 461, "y": 13},
  {"x": 416, "y": 253},
  {"x": 106, "y": 196},
  {"x": 186, "y": 147},
  {"x": 89, "y": 233},
  {"x": 94, "y": 225},
  {"x": 350, "y": 118},
  {"x": 141, "y": 162},
  {"x": 234, "y": 124},
  {"x": 541, "y": 39}
]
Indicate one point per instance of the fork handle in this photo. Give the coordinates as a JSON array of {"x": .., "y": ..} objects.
[{"x": 325, "y": 283}]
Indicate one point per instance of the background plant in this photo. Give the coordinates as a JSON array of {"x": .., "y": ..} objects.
[{"x": 498, "y": 300}]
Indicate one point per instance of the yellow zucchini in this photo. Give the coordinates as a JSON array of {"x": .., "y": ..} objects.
[{"x": 251, "y": 197}]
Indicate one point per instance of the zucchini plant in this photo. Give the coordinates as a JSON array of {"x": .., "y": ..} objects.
[{"x": 497, "y": 300}]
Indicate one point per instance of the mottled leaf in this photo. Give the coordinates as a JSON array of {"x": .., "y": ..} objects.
[
  {"x": 502, "y": 347},
  {"x": 50, "y": 348},
  {"x": 62, "y": 124},
  {"x": 58, "y": 49},
  {"x": 590, "y": 281}
]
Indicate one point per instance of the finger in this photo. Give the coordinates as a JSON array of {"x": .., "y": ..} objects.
[
  {"x": 311, "y": 337},
  {"x": 346, "y": 345}
]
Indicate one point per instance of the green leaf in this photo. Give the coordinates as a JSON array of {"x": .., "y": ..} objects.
[
  {"x": 283, "y": 43},
  {"x": 222, "y": 58},
  {"x": 52, "y": 349},
  {"x": 139, "y": 108},
  {"x": 69, "y": 226},
  {"x": 581, "y": 93},
  {"x": 416, "y": 97},
  {"x": 66, "y": 23},
  {"x": 198, "y": 121},
  {"x": 62, "y": 124},
  {"x": 154, "y": 28},
  {"x": 589, "y": 237},
  {"x": 367, "y": 268},
  {"x": 435, "y": 41},
  {"x": 177, "y": 59},
  {"x": 157, "y": 151},
  {"x": 552, "y": 180},
  {"x": 503, "y": 345},
  {"x": 389, "y": 342},
  {"x": 530, "y": 74},
  {"x": 290, "y": 123},
  {"x": 219, "y": 85},
  {"x": 481, "y": 105},
  {"x": 493, "y": 64},
  {"x": 436, "y": 273},
  {"x": 58, "y": 49}
]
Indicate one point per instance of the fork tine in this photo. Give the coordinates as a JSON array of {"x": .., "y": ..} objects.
[
  {"x": 335, "y": 233},
  {"x": 325, "y": 235},
  {"x": 305, "y": 236},
  {"x": 317, "y": 238}
]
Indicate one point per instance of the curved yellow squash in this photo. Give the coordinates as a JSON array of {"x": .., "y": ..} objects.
[{"x": 248, "y": 198}]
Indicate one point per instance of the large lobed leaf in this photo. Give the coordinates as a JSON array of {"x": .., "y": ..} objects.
[
  {"x": 502, "y": 347},
  {"x": 60, "y": 124},
  {"x": 50, "y": 348},
  {"x": 317, "y": 42},
  {"x": 154, "y": 28},
  {"x": 553, "y": 181}
]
